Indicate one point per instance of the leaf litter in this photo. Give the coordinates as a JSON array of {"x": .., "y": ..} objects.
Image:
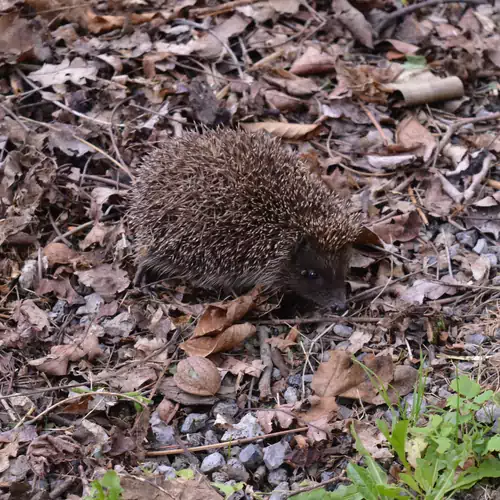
[{"x": 394, "y": 107}]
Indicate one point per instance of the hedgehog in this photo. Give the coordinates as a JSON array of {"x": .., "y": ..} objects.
[{"x": 229, "y": 209}]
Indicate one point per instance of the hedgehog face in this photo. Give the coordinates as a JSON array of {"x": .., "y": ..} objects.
[{"x": 318, "y": 276}]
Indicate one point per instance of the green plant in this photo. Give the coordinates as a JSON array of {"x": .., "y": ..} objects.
[
  {"x": 106, "y": 488},
  {"x": 442, "y": 451}
]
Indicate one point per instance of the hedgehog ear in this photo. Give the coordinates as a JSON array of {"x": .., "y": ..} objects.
[{"x": 301, "y": 246}]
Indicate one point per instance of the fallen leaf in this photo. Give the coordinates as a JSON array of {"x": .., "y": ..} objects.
[
  {"x": 313, "y": 61},
  {"x": 411, "y": 135},
  {"x": 240, "y": 367},
  {"x": 221, "y": 315},
  {"x": 59, "y": 253},
  {"x": 197, "y": 375},
  {"x": 77, "y": 71},
  {"x": 292, "y": 131},
  {"x": 372, "y": 439},
  {"x": 225, "y": 341},
  {"x": 354, "y": 21},
  {"x": 106, "y": 279},
  {"x": 399, "y": 228}
]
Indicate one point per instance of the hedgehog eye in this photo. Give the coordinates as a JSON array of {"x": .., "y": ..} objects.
[{"x": 309, "y": 273}]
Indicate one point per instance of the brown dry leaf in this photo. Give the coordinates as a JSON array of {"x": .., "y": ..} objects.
[
  {"x": 59, "y": 253},
  {"x": 239, "y": 367},
  {"x": 321, "y": 407},
  {"x": 225, "y": 341},
  {"x": 170, "y": 390},
  {"x": 354, "y": 21},
  {"x": 159, "y": 488},
  {"x": 50, "y": 449},
  {"x": 6, "y": 452},
  {"x": 61, "y": 288},
  {"x": 282, "y": 342},
  {"x": 340, "y": 377},
  {"x": 283, "y": 102},
  {"x": 167, "y": 410},
  {"x": 413, "y": 136},
  {"x": 30, "y": 318},
  {"x": 77, "y": 71},
  {"x": 373, "y": 440},
  {"x": 106, "y": 279},
  {"x": 221, "y": 315},
  {"x": 421, "y": 289},
  {"x": 292, "y": 131},
  {"x": 402, "y": 228},
  {"x": 20, "y": 39},
  {"x": 132, "y": 380},
  {"x": 197, "y": 375},
  {"x": 313, "y": 61}
]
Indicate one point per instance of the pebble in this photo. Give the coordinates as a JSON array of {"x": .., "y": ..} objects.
[
  {"x": 408, "y": 399},
  {"x": 327, "y": 475},
  {"x": 465, "y": 366},
  {"x": 467, "y": 238},
  {"x": 220, "y": 477},
  {"x": 481, "y": 246},
  {"x": 196, "y": 439},
  {"x": 277, "y": 476},
  {"x": 344, "y": 331},
  {"x": 295, "y": 380},
  {"x": 167, "y": 471},
  {"x": 181, "y": 462},
  {"x": 308, "y": 378},
  {"x": 212, "y": 463},
  {"x": 226, "y": 409},
  {"x": 492, "y": 258},
  {"x": 236, "y": 470},
  {"x": 471, "y": 348},
  {"x": 281, "y": 492},
  {"x": 291, "y": 395},
  {"x": 274, "y": 455},
  {"x": 194, "y": 422},
  {"x": 251, "y": 456},
  {"x": 211, "y": 437},
  {"x": 276, "y": 374},
  {"x": 489, "y": 414},
  {"x": 475, "y": 338}
]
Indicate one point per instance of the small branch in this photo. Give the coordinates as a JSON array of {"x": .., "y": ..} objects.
[
  {"x": 220, "y": 9},
  {"x": 216, "y": 446},
  {"x": 394, "y": 16},
  {"x": 265, "y": 356}
]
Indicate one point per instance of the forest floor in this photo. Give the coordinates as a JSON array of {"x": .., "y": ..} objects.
[{"x": 108, "y": 391}]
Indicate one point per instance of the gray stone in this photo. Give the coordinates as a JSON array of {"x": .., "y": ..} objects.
[
  {"x": 194, "y": 422},
  {"x": 475, "y": 338},
  {"x": 181, "y": 462},
  {"x": 212, "y": 463},
  {"x": 251, "y": 456},
  {"x": 481, "y": 246},
  {"x": 467, "y": 238},
  {"x": 220, "y": 477},
  {"x": 489, "y": 414},
  {"x": 276, "y": 374},
  {"x": 295, "y": 380},
  {"x": 466, "y": 366},
  {"x": 327, "y": 475},
  {"x": 236, "y": 470},
  {"x": 280, "y": 492},
  {"x": 471, "y": 348},
  {"x": 308, "y": 378},
  {"x": 341, "y": 330},
  {"x": 167, "y": 471},
  {"x": 226, "y": 408},
  {"x": 492, "y": 258},
  {"x": 291, "y": 395},
  {"x": 274, "y": 455},
  {"x": 211, "y": 437},
  {"x": 277, "y": 476},
  {"x": 195, "y": 439},
  {"x": 408, "y": 404}
]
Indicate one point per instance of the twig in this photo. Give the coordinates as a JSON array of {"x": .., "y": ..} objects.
[
  {"x": 316, "y": 319},
  {"x": 219, "y": 39},
  {"x": 457, "y": 125},
  {"x": 224, "y": 444},
  {"x": 394, "y": 16},
  {"x": 60, "y": 104},
  {"x": 14, "y": 116},
  {"x": 420, "y": 212},
  {"x": 265, "y": 355},
  {"x": 376, "y": 124},
  {"x": 83, "y": 141},
  {"x": 220, "y": 9},
  {"x": 333, "y": 480},
  {"x": 79, "y": 396},
  {"x": 58, "y": 231},
  {"x": 80, "y": 227},
  {"x": 478, "y": 178}
]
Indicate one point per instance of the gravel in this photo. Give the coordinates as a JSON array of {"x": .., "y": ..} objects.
[
  {"x": 274, "y": 455},
  {"x": 213, "y": 462},
  {"x": 194, "y": 422},
  {"x": 251, "y": 456}
]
